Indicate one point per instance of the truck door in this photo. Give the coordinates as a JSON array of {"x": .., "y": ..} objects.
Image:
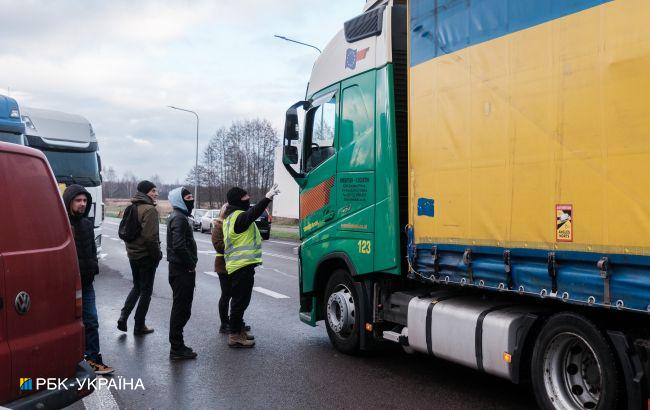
[
  {"x": 318, "y": 194},
  {"x": 6, "y": 383},
  {"x": 356, "y": 167},
  {"x": 43, "y": 326}
]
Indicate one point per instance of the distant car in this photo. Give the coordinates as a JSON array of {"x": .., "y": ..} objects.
[
  {"x": 195, "y": 218},
  {"x": 207, "y": 220},
  {"x": 264, "y": 224},
  {"x": 41, "y": 331}
]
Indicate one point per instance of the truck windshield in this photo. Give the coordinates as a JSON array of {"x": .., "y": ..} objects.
[
  {"x": 9, "y": 137},
  {"x": 74, "y": 167}
]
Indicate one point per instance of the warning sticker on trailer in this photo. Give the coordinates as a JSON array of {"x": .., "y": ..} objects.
[{"x": 564, "y": 223}]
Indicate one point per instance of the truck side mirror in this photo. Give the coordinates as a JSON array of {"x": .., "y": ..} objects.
[
  {"x": 290, "y": 156},
  {"x": 291, "y": 130},
  {"x": 291, "y": 126}
]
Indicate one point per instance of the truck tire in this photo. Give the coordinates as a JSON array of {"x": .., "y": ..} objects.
[
  {"x": 573, "y": 366},
  {"x": 341, "y": 311}
]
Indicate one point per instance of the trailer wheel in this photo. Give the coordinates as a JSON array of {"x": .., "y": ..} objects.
[
  {"x": 341, "y": 312},
  {"x": 573, "y": 366}
]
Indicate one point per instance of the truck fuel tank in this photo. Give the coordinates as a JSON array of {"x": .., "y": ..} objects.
[{"x": 487, "y": 335}]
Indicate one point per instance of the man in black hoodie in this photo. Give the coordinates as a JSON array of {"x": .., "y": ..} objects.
[
  {"x": 182, "y": 258},
  {"x": 77, "y": 202}
]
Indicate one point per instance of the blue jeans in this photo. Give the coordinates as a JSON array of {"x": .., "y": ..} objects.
[{"x": 91, "y": 322}]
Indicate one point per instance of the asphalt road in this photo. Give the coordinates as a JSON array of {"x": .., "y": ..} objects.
[{"x": 292, "y": 365}]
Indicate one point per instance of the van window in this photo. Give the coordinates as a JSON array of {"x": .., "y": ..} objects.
[{"x": 31, "y": 211}]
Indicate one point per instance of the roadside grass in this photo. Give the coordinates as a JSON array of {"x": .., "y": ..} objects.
[{"x": 279, "y": 234}]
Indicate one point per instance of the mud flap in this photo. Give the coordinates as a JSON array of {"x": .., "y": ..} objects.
[
  {"x": 633, "y": 372},
  {"x": 364, "y": 292}
]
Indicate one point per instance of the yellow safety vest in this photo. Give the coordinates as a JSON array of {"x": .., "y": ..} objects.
[{"x": 241, "y": 249}]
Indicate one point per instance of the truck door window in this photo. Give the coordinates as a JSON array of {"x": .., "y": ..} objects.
[{"x": 321, "y": 137}]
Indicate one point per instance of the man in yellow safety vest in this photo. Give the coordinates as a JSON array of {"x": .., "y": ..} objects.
[{"x": 242, "y": 252}]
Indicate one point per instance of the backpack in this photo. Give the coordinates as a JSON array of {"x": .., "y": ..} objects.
[{"x": 130, "y": 227}]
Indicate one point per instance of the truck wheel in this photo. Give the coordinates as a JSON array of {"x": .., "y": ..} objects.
[
  {"x": 573, "y": 366},
  {"x": 341, "y": 311}
]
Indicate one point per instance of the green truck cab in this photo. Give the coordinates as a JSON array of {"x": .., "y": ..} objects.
[{"x": 344, "y": 155}]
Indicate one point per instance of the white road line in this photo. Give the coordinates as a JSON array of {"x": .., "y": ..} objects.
[
  {"x": 270, "y": 293},
  {"x": 115, "y": 239},
  {"x": 106, "y": 236},
  {"x": 280, "y": 272},
  {"x": 101, "y": 399},
  {"x": 277, "y": 255},
  {"x": 212, "y": 274},
  {"x": 283, "y": 243},
  {"x": 208, "y": 252},
  {"x": 111, "y": 222}
]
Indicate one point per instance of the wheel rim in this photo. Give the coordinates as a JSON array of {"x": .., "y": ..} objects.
[
  {"x": 572, "y": 373},
  {"x": 341, "y": 311}
]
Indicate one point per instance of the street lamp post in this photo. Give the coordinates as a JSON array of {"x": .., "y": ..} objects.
[
  {"x": 196, "y": 158},
  {"x": 297, "y": 42}
]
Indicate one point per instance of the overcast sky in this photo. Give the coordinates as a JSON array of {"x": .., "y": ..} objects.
[{"x": 119, "y": 63}]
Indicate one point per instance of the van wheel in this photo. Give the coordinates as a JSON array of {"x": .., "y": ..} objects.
[
  {"x": 341, "y": 312},
  {"x": 573, "y": 366}
]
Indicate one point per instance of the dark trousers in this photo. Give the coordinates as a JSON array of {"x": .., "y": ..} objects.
[
  {"x": 226, "y": 295},
  {"x": 242, "y": 281},
  {"x": 144, "y": 273},
  {"x": 91, "y": 322},
  {"x": 182, "y": 283}
]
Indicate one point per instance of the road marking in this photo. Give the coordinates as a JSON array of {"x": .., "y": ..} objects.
[
  {"x": 208, "y": 252},
  {"x": 111, "y": 223},
  {"x": 283, "y": 243},
  {"x": 115, "y": 239},
  {"x": 106, "y": 236},
  {"x": 101, "y": 399},
  {"x": 277, "y": 255},
  {"x": 280, "y": 272},
  {"x": 212, "y": 274},
  {"x": 270, "y": 293}
]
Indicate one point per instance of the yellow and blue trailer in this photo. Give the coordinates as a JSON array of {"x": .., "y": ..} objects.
[{"x": 474, "y": 185}]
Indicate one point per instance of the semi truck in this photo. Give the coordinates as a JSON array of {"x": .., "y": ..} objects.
[
  {"x": 11, "y": 126},
  {"x": 70, "y": 145},
  {"x": 474, "y": 185}
]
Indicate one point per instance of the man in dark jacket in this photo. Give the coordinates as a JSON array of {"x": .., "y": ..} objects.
[
  {"x": 242, "y": 267},
  {"x": 182, "y": 258},
  {"x": 77, "y": 202},
  {"x": 144, "y": 255}
]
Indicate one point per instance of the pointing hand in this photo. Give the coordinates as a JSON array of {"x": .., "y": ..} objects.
[{"x": 273, "y": 191}]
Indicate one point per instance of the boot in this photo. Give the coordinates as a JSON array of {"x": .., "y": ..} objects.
[
  {"x": 239, "y": 340},
  {"x": 247, "y": 335},
  {"x": 182, "y": 353},
  {"x": 121, "y": 324},
  {"x": 144, "y": 330}
]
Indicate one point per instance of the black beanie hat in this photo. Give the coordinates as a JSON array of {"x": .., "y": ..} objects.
[
  {"x": 234, "y": 195},
  {"x": 146, "y": 186}
]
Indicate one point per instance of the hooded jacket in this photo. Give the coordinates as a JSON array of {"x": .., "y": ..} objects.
[
  {"x": 148, "y": 243},
  {"x": 181, "y": 247},
  {"x": 83, "y": 230}
]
